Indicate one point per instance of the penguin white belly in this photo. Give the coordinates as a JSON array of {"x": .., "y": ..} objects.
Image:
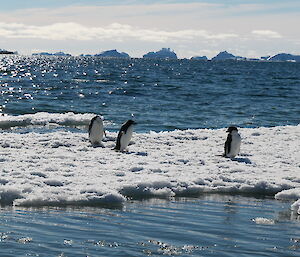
[
  {"x": 235, "y": 145},
  {"x": 96, "y": 133},
  {"x": 125, "y": 138}
]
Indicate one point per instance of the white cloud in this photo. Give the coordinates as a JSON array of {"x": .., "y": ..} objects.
[
  {"x": 266, "y": 33},
  {"x": 114, "y": 31},
  {"x": 188, "y": 28}
]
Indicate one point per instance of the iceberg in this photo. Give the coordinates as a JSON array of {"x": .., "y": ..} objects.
[
  {"x": 283, "y": 57},
  {"x": 51, "y": 54},
  {"x": 224, "y": 56},
  {"x": 112, "y": 54},
  {"x": 164, "y": 53},
  {"x": 202, "y": 58},
  {"x": 2, "y": 51}
]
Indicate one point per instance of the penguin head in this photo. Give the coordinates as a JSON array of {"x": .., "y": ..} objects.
[
  {"x": 231, "y": 128},
  {"x": 130, "y": 122},
  {"x": 98, "y": 119}
]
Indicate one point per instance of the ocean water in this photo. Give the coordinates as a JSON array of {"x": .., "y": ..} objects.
[
  {"x": 61, "y": 197},
  {"x": 159, "y": 94},
  {"x": 206, "y": 226}
]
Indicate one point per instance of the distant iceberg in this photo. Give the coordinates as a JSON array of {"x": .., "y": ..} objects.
[
  {"x": 164, "y": 53},
  {"x": 224, "y": 56},
  {"x": 112, "y": 54},
  {"x": 85, "y": 55},
  {"x": 61, "y": 54},
  {"x": 202, "y": 58},
  {"x": 283, "y": 57},
  {"x": 2, "y": 51},
  {"x": 167, "y": 53},
  {"x": 42, "y": 53},
  {"x": 265, "y": 58},
  {"x": 52, "y": 54}
]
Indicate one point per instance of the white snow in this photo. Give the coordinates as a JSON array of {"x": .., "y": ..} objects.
[
  {"x": 263, "y": 221},
  {"x": 45, "y": 118},
  {"x": 62, "y": 168},
  {"x": 295, "y": 207}
]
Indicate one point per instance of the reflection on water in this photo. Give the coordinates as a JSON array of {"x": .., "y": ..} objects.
[
  {"x": 212, "y": 225},
  {"x": 158, "y": 93}
]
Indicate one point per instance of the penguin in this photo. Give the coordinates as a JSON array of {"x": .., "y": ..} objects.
[
  {"x": 96, "y": 130},
  {"x": 124, "y": 135},
  {"x": 233, "y": 143}
]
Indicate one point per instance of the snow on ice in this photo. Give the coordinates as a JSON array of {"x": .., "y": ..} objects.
[{"x": 62, "y": 168}]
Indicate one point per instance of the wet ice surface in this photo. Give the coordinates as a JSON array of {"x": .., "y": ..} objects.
[{"x": 212, "y": 225}]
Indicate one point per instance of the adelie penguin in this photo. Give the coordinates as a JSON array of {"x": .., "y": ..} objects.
[
  {"x": 124, "y": 135},
  {"x": 96, "y": 130},
  {"x": 233, "y": 143}
]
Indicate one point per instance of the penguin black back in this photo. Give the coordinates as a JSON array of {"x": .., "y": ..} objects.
[
  {"x": 122, "y": 132},
  {"x": 227, "y": 146},
  {"x": 92, "y": 122},
  {"x": 126, "y": 125},
  {"x": 232, "y": 144}
]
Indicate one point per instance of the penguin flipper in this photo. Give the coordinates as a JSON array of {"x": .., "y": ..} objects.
[
  {"x": 227, "y": 146},
  {"x": 118, "y": 144}
]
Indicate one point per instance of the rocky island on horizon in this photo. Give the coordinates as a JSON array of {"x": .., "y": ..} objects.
[
  {"x": 164, "y": 53},
  {"x": 167, "y": 53},
  {"x": 112, "y": 54},
  {"x": 50, "y": 54},
  {"x": 3, "y": 51}
]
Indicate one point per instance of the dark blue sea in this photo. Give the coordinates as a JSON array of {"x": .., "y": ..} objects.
[{"x": 161, "y": 95}]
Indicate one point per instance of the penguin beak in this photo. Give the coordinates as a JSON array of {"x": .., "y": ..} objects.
[{"x": 134, "y": 123}]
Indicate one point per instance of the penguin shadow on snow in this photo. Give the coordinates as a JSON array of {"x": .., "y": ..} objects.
[
  {"x": 97, "y": 145},
  {"x": 242, "y": 160},
  {"x": 109, "y": 141},
  {"x": 136, "y": 153}
]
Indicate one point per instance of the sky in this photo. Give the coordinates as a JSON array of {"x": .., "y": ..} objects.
[{"x": 249, "y": 28}]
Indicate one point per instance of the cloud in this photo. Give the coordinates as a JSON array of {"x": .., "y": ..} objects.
[
  {"x": 266, "y": 33},
  {"x": 114, "y": 31},
  {"x": 188, "y": 27}
]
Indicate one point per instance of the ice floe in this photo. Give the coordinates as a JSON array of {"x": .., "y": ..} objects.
[
  {"x": 295, "y": 207},
  {"x": 45, "y": 118},
  {"x": 62, "y": 168},
  {"x": 263, "y": 221}
]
